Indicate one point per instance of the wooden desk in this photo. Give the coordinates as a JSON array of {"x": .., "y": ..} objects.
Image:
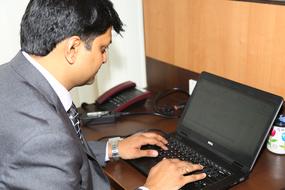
[{"x": 268, "y": 173}]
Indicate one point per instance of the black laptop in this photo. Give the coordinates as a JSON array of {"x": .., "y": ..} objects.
[{"x": 223, "y": 127}]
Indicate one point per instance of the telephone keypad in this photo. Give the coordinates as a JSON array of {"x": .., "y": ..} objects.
[{"x": 129, "y": 96}]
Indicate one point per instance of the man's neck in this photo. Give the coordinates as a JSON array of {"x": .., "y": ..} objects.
[{"x": 55, "y": 65}]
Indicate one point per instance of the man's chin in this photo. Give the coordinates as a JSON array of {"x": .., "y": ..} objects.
[{"x": 91, "y": 81}]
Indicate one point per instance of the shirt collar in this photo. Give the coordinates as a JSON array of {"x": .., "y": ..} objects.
[{"x": 59, "y": 89}]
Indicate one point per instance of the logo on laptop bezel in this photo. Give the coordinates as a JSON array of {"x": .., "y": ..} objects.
[{"x": 210, "y": 143}]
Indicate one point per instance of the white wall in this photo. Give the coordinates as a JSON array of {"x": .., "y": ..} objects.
[
  {"x": 126, "y": 54},
  {"x": 10, "y": 17}
]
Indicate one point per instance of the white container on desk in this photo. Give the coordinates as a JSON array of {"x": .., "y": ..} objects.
[{"x": 276, "y": 140}]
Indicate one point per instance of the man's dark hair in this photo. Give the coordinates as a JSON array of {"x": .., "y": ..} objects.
[{"x": 45, "y": 23}]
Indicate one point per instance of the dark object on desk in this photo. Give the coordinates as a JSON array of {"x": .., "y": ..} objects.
[
  {"x": 223, "y": 127},
  {"x": 121, "y": 97},
  {"x": 163, "y": 106},
  {"x": 104, "y": 117},
  {"x": 107, "y": 108},
  {"x": 100, "y": 117}
]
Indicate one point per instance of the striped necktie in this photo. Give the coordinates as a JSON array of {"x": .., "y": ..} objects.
[{"x": 75, "y": 120}]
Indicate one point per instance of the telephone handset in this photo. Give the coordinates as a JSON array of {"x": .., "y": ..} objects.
[{"x": 121, "y": 97}]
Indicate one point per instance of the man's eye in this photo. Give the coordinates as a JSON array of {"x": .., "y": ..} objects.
[{"x": 103, "y": 50}]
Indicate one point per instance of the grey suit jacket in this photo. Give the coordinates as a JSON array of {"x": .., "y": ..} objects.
[{"x": 39, "y": 148}]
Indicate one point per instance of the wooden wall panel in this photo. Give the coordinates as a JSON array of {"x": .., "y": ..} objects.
[{"x": 239, "y": 40}]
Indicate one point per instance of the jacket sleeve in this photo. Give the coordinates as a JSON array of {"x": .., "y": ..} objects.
[
  {"x": 99, "y": 149},
  {"x": 47, "y": 161}
]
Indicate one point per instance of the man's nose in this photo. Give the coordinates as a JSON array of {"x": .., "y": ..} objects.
[{"x": 105, "y": 57}]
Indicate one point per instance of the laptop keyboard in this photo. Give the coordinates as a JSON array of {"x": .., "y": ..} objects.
[{"x": 177, "y": 149}]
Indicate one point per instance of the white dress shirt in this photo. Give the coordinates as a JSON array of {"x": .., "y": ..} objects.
[{"x": 59, "y": 89}]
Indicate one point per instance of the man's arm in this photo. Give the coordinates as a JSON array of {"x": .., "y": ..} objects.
[
  {"x": 99, "y": 149},
  {"x": 46, "y": 161}
]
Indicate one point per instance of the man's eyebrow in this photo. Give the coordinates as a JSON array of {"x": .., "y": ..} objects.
[{"x": 107, "y": 45}]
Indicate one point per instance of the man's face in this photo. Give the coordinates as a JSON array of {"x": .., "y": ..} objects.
[{"x": 91, "y": 60}]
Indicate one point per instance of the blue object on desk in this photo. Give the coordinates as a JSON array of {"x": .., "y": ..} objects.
[{"x": 280, "y": 121}]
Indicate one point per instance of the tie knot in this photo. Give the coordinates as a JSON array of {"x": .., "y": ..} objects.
[{"x": 72, "y": 110}]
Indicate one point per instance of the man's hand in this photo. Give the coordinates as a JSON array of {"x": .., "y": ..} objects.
[
  {"x": 169, "y": 174},
  {"x": 130, "y": 148}
]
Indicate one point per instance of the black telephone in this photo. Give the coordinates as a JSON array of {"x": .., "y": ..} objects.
[
  {"x": 121, "y": 97},
  {"x": 109, "y": 105}
]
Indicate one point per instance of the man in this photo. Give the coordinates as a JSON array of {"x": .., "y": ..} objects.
[{"x": 63, "y": 45}]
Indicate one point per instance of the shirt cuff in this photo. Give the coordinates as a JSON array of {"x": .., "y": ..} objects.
[
  {"x": 142, "y": 188},
  {"x": 107, "y": 155}
]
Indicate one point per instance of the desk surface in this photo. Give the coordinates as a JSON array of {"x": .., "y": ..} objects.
[{"x": 268, "y": 172}]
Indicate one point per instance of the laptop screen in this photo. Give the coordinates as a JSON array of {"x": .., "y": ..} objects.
[{"x": 229, "y": 118}]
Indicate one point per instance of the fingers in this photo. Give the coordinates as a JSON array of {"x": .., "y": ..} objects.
[
  {"x": 156, "y": 136},
  {"x": 193, "y": 177},
  {"x": 184, "y": 167},
  {"x": 154, "y": 139},
  {"x": 170, "y": 174},
  {"x": 130, "y": 147},
  {"x": 189, "y": 165},
  {"x": 148, "y": 153}
]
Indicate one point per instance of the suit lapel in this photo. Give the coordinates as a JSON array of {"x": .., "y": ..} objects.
[{"x": 34, "y": 78}]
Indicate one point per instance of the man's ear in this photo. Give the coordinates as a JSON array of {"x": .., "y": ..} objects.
[{"x": 72, "y": 48}]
